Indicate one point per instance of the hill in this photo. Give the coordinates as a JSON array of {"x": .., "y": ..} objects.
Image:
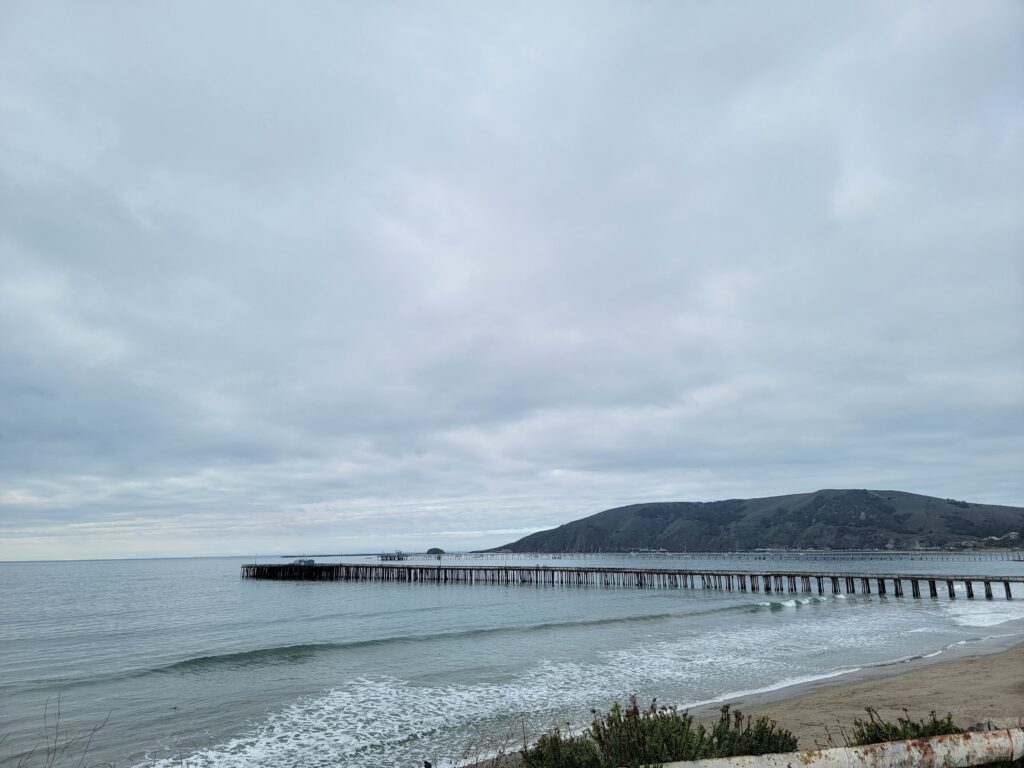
[{"x": 827, "y": 519}]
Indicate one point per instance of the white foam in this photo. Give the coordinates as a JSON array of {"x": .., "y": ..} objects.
[
  {"x": 385, "y": 721},
  {"x": 802, "y": 680},
  {"x": 369, "y": 722},
  {"x": 792, "y": 602},
  {"x": 376, "y": 721}
]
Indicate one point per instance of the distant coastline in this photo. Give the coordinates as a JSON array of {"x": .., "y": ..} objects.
[{"x": 847, "y": 519}]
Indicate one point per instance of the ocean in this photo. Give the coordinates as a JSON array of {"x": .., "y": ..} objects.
[{"x": 180, "y": 662}]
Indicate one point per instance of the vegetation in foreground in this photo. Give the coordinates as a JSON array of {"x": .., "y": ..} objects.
[
  {"x": 625, "y": 737},
  {"x": 629, "y": 736},
  {"x": 875, "y": 729}
]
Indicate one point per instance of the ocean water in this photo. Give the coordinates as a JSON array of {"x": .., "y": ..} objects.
[{"x": 184, "y": 663}]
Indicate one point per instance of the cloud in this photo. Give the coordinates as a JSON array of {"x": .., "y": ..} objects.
[{"x": 358, "y": 274}]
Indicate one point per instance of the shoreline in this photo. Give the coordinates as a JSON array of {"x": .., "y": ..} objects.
[{"x": 974, "y": 682}]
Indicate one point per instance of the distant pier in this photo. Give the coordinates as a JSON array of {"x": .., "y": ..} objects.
[{"x": 760, "y": 582}]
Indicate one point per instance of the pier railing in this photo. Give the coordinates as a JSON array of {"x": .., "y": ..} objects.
[
  {"x": 899, "y": 555},
  {"x": 762, "y": 582}
]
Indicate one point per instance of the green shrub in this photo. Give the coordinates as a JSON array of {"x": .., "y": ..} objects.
[
  {"x": 746, "y": 737},
  {"x": 875, "y": 729},
  {"x": 629, "y": 736},
  {"x": 553, "y": 749}
]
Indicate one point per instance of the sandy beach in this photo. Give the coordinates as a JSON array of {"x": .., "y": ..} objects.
[{"x": 971, "y": 688}]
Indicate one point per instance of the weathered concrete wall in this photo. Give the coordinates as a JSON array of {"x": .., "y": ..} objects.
[{"x": 954, "y": 751}]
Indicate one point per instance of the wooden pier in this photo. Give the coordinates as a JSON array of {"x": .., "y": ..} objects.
[{"x": 761, "y": 582}]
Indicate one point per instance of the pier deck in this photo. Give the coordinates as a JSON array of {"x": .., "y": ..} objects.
[{"x": 763, "y": 582}]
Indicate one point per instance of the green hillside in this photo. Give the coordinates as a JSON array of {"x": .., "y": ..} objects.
[{"x": 828, "y": 519}]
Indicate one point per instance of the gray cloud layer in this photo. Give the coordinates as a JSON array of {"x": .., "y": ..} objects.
[{"x": 325, "y": 276}]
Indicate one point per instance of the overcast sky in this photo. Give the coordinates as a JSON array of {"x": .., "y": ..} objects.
[{"x": 348, "y": 276}]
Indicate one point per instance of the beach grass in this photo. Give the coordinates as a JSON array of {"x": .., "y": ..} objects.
[
  {"x": 629, "y": 736},
  {"x": 875, "y": 729}
]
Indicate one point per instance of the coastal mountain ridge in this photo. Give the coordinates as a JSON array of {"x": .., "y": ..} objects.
[{"x": 825, "y": 519}]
